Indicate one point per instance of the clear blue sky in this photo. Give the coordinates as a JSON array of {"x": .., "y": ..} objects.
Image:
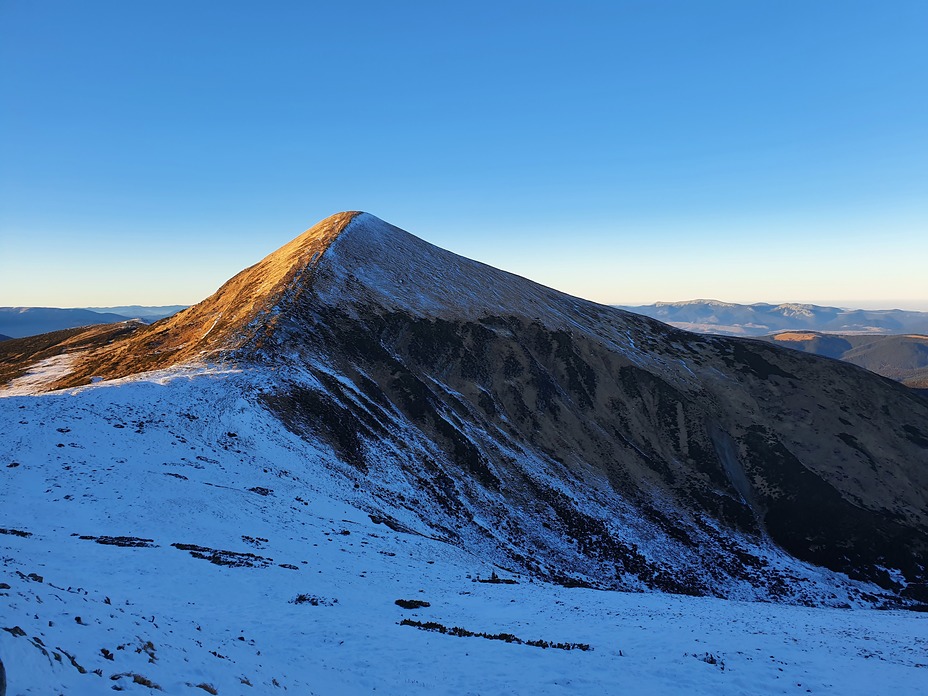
[{"x": 626, "y": 152}]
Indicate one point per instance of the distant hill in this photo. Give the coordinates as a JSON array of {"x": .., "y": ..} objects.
[
  {"x": 141, "y": 312},
  {"x": 5, "y": 338},
  {"x": 18, "y": 322},
  {"x": 712, "y": 316},
  {"x": 903, "y": 358}
]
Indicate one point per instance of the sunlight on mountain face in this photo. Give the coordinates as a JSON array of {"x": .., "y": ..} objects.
[{"x": 368, "y": 463}]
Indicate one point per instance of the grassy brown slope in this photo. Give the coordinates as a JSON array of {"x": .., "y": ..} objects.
[
  {"x": 17, "y": 355},
  {"x": 240, "y": 311}
]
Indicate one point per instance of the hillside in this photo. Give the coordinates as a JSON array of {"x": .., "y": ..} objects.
[
  {"x": 162, "y": 530},
  {"x": 903, "y": 358}
]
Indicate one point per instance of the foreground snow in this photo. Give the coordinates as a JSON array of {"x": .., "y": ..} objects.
[{"x": 185, "y": 457}]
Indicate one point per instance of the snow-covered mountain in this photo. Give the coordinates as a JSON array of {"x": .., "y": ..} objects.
[
  {"x": 237, "y": 494},
  {"x": 712, "y": 316}
]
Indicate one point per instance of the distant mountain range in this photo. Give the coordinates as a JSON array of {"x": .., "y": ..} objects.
[
  {"x": 712, "y": 316},
  {"x": 140, "y": 311},
  {"x": 701, "y": 316},
  {"x": 18, "y": 322}
]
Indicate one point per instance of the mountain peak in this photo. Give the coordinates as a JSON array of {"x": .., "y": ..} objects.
[
  {"x": 350, "y": 262},
  {"x": 374, "y": 263},
  {"x": 242, "y": 310}
]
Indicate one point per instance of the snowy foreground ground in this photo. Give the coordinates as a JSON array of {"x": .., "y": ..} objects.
[{"x": 184, "y": 458}]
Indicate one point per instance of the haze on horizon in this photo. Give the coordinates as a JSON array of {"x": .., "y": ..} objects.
[{"x": 624, "y": 152}]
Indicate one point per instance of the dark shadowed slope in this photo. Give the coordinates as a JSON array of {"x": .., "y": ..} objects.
[{"x": 570, "y": 440}]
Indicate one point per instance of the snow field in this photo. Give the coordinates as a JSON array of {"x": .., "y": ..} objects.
[{"x": 187, "y": 457}]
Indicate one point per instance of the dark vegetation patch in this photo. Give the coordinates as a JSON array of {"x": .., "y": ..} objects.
[
  {"x": 495, "y": 579},
  {"x": 812, "y": 521},
  {"x": 313, "y": 600},
  {"x": 485, "y": 401},
  {"x": 505, "y": 637},
  {"x": 852, "y": 442},
  {"x": 915, "y": 435},
  {"x": 595, "y": 540},
  {"x": 424, "y": 409},
  {"x": 581, "y": 378},
  {"x": 412, "y": 603},
  {"x": 393, "y": 524},
  {"x": 136, "y": 679},
  {"x": 746, "y": 357},
  {"x": 74, "y": 663},
  {"x": 15, "y": 532},
  {"x": 235, "y": 559},
  {"x": 439, "y": 343},
  {"x": 126, "y": 541},
  {"x": 646, "y": 394},
  {"x": 917, "y": 591},
  {"x": 572, "y": 582},
  {"x": 261, "y": 490},
  {"x": 303, "y": 410},
  {"x": 434, "y": 347},
  {"x": 709, "y": 659}
]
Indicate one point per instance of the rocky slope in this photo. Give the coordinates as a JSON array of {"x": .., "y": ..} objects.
[
  {"x": 163, "y": 532},
  {"x": 564, "y": 439}
]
